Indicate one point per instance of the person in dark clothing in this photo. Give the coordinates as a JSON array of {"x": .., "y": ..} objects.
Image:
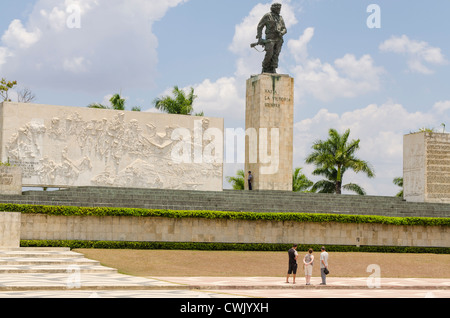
[
  {"x": 250, "y": 180},
  {"x": 293, "y": 255}
]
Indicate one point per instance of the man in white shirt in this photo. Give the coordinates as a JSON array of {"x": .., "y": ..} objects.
[{"x": 323, "y": 265}]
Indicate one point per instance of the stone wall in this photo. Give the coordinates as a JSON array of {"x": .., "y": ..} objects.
[
  {"x": 426, "y": 164},
  {"x": 155, "y": 229},
  {"x": 59, "y": 146}
]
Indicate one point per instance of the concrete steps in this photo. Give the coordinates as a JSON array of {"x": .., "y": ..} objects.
[
  {"x": 229, "y": 200},
  {"x": 59, "y": 269},
  {"x": 47, "y": 261}
]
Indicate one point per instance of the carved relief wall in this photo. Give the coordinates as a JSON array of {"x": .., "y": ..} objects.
[{"x": 58, "y": 146}]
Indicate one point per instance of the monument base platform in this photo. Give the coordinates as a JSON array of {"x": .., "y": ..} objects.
[{"x": 230, "y": 200}]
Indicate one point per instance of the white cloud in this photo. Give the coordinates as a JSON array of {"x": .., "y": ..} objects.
[
  {"x": 348, "y": 77},
  {"x": 442, "y": 107},
  {"x": 299, "y": 48},
  {"x": 221, "y": 98},
  {"x": 18, "y": 37},
  {"x": 4, "y": 54},
  {"x": 76, "y": 65},
  {"x": 419, "y": 53},
  {"x": 100, "y": 55}
]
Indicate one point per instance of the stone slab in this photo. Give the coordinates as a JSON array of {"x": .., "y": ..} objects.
[
  {"x": 10, "y": 226},
  {"x": 426, "y": 165},
  {"x": 61, "y": 146}
]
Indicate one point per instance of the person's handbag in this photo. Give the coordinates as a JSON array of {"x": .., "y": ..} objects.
[{"x": 326, "y": 271}]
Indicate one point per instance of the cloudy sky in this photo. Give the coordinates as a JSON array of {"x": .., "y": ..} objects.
[{"x": 380, "y": 75}]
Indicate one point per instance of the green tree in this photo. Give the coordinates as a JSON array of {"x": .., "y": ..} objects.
[
  {"x": 238, "y": 182},
  {"x": 333, "y": 157},
  {"x": 328, "y": 185},
  {"x": 399, "y": 182},
  {"x": 117, "y": 103},
  {"x": 181, "y": 103},
  {"x": 300, "y": 183},
  {"x": 5, "y": 86}
]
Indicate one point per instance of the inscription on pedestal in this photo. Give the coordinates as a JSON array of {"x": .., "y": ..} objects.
[{"x": 273, "y": 99}]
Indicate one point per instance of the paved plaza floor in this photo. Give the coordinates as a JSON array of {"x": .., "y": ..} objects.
[
  {"x": 61, "y": 273},
  {"x": 124, "y": 286}
]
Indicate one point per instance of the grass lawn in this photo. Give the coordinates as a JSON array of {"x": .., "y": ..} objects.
[{"x": 148, "y": 263}]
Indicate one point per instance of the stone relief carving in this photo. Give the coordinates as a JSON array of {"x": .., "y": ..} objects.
[
  {"x": 6, "y": 179},
  {"x": 109, "y": 152}
]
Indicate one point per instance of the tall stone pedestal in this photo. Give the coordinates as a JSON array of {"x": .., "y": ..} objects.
[
  {"x": 426, "y": 167},
  {"x": 269, "y": 131}
]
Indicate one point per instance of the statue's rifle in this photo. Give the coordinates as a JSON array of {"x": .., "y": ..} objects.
[{"x": 260, "y": 42}]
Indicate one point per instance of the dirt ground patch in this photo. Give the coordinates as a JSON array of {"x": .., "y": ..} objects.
[{"x": 148, "y": 263}]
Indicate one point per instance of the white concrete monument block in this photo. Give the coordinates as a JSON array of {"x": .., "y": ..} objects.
[
  {"x": 426, "y": 167},
  {"x": 60, "y": 146},
  {"x": 10, "y": 224}
]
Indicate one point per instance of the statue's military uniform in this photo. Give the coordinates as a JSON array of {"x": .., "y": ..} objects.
[{"x": 275, "y": 30}]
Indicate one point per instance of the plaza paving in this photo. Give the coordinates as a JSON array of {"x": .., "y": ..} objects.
[{"x": 61, "y": 273}]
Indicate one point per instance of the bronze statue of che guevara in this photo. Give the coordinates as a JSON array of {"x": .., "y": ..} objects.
[{"x": 275, "y": 30}]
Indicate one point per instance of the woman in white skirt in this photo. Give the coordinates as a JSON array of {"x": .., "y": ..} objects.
[{"x": 308, "y": 262}]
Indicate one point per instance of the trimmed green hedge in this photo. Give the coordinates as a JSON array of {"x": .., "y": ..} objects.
[
  {"x": 228, "y": 246},
  {"x": 251, "y": 216}
]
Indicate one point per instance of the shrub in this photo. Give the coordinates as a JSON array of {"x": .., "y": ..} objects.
[{"x": 250, "y": 216}]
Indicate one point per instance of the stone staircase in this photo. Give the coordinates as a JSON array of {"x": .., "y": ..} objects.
[
  {"x": 230, "y": 200},
  {"x": 48, "y": 261},
  {"x": 60, "y": 269}
]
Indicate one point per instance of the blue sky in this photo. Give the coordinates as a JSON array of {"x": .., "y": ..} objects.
[{"x": 381, "y": 83}]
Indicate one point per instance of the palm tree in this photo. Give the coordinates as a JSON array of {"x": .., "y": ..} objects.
[
  {"x": 117, "y": 103},
  {"x": 300, "y": 183},
  {"x": 328, "y": 185},
  {"x": 180, "y": 104},
  {"x": 333, "y": 157},
  {"x": 399, "y": 182},
  {"x": 237, "y": 182}
]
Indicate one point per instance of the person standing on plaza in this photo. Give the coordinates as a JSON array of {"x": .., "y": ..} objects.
[
  {"x": 308, "y": 262},
  {"x": 323, "y": 265},
  {"x": 293, "y": 255},
  {"x": 250, "y": 180}
]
